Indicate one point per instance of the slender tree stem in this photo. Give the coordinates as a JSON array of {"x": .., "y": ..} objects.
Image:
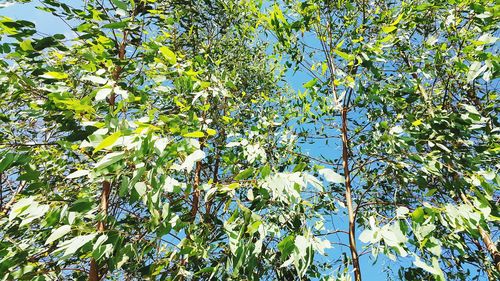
[
  {"x": 94, "y": 272},
  {"x": 348, "y": 198},
  {"x": 196, "y": 191},
  {"x": 101, "y": 227}
]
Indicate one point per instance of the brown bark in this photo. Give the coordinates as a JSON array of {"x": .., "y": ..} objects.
[
  {"x": 101, "y": 227},
  {"x": 215, "y": 180},
  {"x": 348, "y": 198},
  {"x": 196, "y": 191},
  {"x": 94, "y": 271}
]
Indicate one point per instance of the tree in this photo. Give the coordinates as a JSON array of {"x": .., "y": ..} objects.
[
  {"x": 407, "y": 92},
  {"x": 165, "y": 140},
  {"x": 149, "y": 146}
]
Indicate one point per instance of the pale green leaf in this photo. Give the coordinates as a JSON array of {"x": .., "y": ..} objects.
[
  {"x": 331, "y": 176},
  {"x": 302, "y": 243},
  {"x": 432, "y": 269},
  {"x": 141, "y": 188},
  {"x": 196, "y": 134},
  {"x": 103, "y": 93},
  {"x": 78, "y": 174},
  {"x": 190, "y": 161},
  {"x": 20, "y": 206},
  {"x": 103, "y": 238},
  {"x": 58, "y": 233},
  {"x": 366, "y": 236},
  {"x": 94, "y": 79},
  {"x": 71, "y": 246},
  {"x": 109, "y": 159},
  {"x": 161, "y": 144},
  {"x": 475, "y": 70},
  {"x": 402, "y": 211}
]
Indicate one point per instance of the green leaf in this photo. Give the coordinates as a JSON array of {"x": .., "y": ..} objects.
[
  {"x": 251, "y": 229},
  {"x": 388, "y": 29},
  {"x": 397, "y": 20},
  {"x": 196, "y": 134},
  {"x": 310, "y": 83},
  {"x": 286, "y": 246},
  {"x": 58, "y": 233},
  {"x": 120, "y": 5},
  {"x": 343, "y": 55},
  {"x": 7, "y": 161},
  {"x": 244, "y": 174},
  {"x": 206, "y": 270},
  {"x": 299, "y": 167},
  {"x": 417, "y": 122},
  {"x": 168, "y": 54},
  {"x": 26, "y": 45},
  {"x": 211, "y": 132},
  {"x": 81, "y": 205},
  {"x": 116, "y": 25},
  {"x": 54, "y": 75},
  {"x": 109, "y": 141},
  {"x": 265, "y": 171},
  {"x": 418, "y": 215}
]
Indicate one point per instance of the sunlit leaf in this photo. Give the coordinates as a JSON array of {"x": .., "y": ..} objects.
[
  {"x": 58, "y": 233},
  {"x": 108, "y": 141},
  {"x": 331, "y": 176}
]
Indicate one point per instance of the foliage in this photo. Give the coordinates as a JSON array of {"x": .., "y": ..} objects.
[
  {"x": 162, "y": 140},
  {"x": 150, "y": 145},
  {"x": 419, "y": 80}
]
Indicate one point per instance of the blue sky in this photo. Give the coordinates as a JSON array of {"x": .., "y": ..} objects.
[{"x": 44, "y": 21}]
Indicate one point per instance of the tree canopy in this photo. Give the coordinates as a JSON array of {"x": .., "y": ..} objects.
[{"x": 169, "y": 140}]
